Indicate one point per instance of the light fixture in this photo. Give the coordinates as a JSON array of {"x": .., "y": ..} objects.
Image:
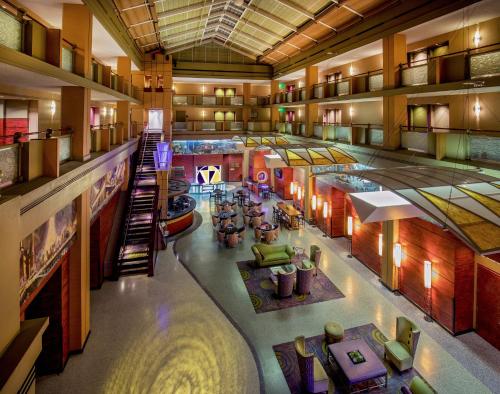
[
  {"x": 397, "y": 254},
  {"x": 111, "y": 111},
  {"x": 203, "y": 88},
  {"x": 351, "y": 111},
  {"x": 477, "y": 108},
  {"x": 349, "y": 225},
  {"x": 173, "y": 87},
  {"x": 314, "y": 202},
  {"x": 299, "y": 193},
  {"x": 104, "y": 111},
  {"x": 52, "y": 108},
  {"x": 476, "y": 39},
  {"x": 427, "y": 274},
  {"x": 292, "y": 188},
  {"x": 380, "y": 244},
  {"x": 351, "y": 70},
  {"x": 300, "y": 113},
  {"x": 203, "y": 113},
  {"x": 325, "y": 209}
]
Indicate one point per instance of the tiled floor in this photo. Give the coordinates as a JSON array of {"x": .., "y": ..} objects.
[{"x": 164, "y": 334}]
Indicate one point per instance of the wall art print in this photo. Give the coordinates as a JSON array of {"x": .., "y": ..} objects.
[
  {"x": 105, "y": 188},
  {"x": 41, "y": 250}
]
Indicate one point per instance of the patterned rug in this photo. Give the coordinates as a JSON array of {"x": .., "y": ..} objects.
[
  {"x": 285, "y": 353},
  {"x": 261, "y": 289}
]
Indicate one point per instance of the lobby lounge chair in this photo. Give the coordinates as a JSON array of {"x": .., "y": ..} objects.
[
  {"x": 285, "y": 280},
  {"x": 401, "y": 351},
  {"x": 269, "y": 255},
  {"x": 269, "y": 236},
  {"x": 417, "y": 386},
  {"x": 258, "y": 234},
  {"x": 232, "y": 240},
  {"x": 312, "y": 374},
  {"x": 304, "y": 278},
  {"x": 221, "y": 236}
]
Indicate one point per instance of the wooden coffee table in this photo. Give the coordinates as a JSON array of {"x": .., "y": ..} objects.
[{"x": 370, "y": 370}]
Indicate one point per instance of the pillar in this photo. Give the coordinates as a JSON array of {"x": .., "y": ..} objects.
[
  {"x": 75, "y": 114},
  {"x": 77, "y": 30},
  {"x": 79, "y": 276},
  {"x": 394, "y": 107},
  {"x": 124, "y": 68},
  {"x": 308, "y": 192},
  {"x": 311, "y": 110},
  {"x": 162, "y": 182},
  {"x": 440, "y": 146},
  {"x": 275, "y": 116},
  {"x": 390, "y": 234},
  {"x": 247, "y": 88},
  {"x": 246, "y": 164}
]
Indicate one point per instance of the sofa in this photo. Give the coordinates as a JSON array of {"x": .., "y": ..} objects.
[
  {"x": 269, "y": 255},
  {"x": 417, "y": 386}
]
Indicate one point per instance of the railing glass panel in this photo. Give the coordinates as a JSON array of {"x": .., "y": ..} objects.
[
  {"x": 419, "y": 142},
  {"x": 375, "y": 82},
  {"x": 64, "y": 148},
  {"x": 413, "y": 76},
  {"x": 318, "y": 130},
  {"x": 485, "y": 148},
  {"x": 208, "y": 100},
  {"x": 180, "y": 100},
  {"x": 485, "y": 64},
  {"x": 342, "y": 133},
  {"x": 9, "y": 164},
  {"x": 319, "y": 91},
  {"x": 376, "y": 137},
  {"x": 343, "y": 88},
  {"x": 10, "y": 31},
  {"x": 67, "y": 59}
]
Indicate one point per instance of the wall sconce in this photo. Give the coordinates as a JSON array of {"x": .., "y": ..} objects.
[
  {"x": 104, "y": 111},
  {"x": 111, "y": 111},
  {"x": 299, "y": 193},
  {"x": 397, "y": 254},
  {"x": 325, "y": 209},
  {"x": 476, "y": 39},
  {"x": 477, "y": 108},
  {"x": 314, "y": 202},
  {"x": 203, "y": 113},
  {"x": 427, "y": 274},
  {"x": 203, "y": 89},
  {"x": 52, "y": 108},
  {"x": 349, "y": 226},
  {"x": 351, "y": 111},
  {"x": 351, "y": 70},
  {"x": 173, "y": 87},
  {"x": 300, "y": 113},
  {"x": 292, "y": 188},
  {"x": 380, "y": 244}
]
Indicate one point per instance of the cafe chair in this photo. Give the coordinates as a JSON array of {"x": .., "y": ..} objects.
[
  {"x": 313, "y": 376},
  {"x": 401, "y": 351},
  {"x": 315, "y": 257},
  {"x": 241, "y": 233},
  {"x": 245, "y": 209},
  {"x": 221, "y": 236},
  {"x": 258, "y": 234},
  {"x": 215, "y": 220},
  {"x": 232, "y": 240},
  {"x": 246, "y": 219},
  {"x": 257, "y": 221},
  {"x": 269, "y": 236}
]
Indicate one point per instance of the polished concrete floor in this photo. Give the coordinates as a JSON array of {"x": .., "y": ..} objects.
[{"x": 168, "y": 334}]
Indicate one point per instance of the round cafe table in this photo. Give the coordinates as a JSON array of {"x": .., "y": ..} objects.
[
  {"x": 254, "y": 213},
  {"x": 224, "y": 215},
  {"x": 229, "y": 229}
]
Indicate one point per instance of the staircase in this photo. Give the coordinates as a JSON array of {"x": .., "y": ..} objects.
[{"x": 138, "y": 249}]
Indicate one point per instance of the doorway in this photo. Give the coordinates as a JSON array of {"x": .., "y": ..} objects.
[
  {"x": 155, "y": 119},
  {"x": 180, "y": 116}
]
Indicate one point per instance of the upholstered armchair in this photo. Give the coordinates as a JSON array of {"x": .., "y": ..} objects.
[
  {"x": 417, "y": 386},
  {"x": 401, "y": 351},
  {"x": 312, "y": 374},
  {"x": 286, "y": 279},
  {"x": 269, "y": 235},
  {"x": 315, "y": 257},
  {"x": 304, "y": 278}
]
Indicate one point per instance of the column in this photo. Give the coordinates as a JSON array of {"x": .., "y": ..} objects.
[
  {"x": 79, "y": 276},
  {"x": 311, "y": 109},
  {"x": 75, "y": 114},
  {"x": 124, "y": 68},
  {"x": 308, "y": 192},
  {"x": 390, "y": 235},
  {"x": 167, "y": 97},
  {"x": 394, "y": 107},
  {"x": 275, "y": 116},
  {"x": 77, "y": 29},
  {"x": 245, "y": 164},
  {"x": 247, "y": 88}
]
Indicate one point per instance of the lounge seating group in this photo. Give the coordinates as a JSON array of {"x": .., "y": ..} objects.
[{"x": 269, "y": 255}]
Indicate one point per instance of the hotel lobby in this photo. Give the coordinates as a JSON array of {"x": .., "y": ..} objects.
[{"x": 250, "y": 196}]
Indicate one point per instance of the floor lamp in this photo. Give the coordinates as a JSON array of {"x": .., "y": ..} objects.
[
  {"x": 428, "y": 289},
  {"x": 325, "y": 216},
  {"x": 397, "y": 255},
  {"x": 349, "y": 236}
]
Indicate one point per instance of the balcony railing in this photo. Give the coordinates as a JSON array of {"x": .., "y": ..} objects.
[
  {"x": 209, "y": 125},
  {"x": 203, "y": 100},
  {"x": 259, "y": 125},
  {"x": 9, "y": 164},
  {"x": 292, "y": 128}
]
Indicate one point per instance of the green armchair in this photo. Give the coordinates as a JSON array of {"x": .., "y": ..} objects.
[
  {"x": 417, "y": 386},
  {"x": 268, "y": 255},
  {"x": 401, "y": 351}
]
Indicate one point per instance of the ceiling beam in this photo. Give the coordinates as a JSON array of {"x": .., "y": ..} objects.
[
  {"x": 185, "y": 22},
  {"x": 186, "y": 42},
  {"x": 341, "y": 5},
  {"x": 180, "y": 48},
  {"x": 297, "y": 8},
  {"x": 270, "y": 16},
  {"x": 395, "y": 17},
  {"x": 106, "y": 14},
  {"x": 245, "y": 45},
  {"x": 180, "y": 34},
  {"x": 189, "y": 8},
  {"x": 255, "y": 26},
  {"x": 250, "y": 37}
]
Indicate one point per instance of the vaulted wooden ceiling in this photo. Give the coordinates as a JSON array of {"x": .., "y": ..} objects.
[{"x": 268, "y": 31}]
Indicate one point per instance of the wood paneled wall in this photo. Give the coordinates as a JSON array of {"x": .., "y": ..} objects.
[
  {"x": 282, "y": 185},
  {"x": 488, "y": 305},
  {"x": 452, "y": 272}
]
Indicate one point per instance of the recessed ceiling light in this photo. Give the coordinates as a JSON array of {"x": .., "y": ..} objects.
[{"x": 329, "y": 53}]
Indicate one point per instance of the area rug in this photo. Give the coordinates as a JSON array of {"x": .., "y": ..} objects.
[
  {"x": 261, "y": 289},
  {"x": 285, "y": 353}
]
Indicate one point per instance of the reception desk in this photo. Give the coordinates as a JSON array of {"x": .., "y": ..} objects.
[{"x": 180, "y": 214}]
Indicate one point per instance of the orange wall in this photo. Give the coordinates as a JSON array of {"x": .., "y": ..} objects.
[{"x": 362, "y": 66}]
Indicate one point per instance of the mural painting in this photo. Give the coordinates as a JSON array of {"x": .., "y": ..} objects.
[
  {"x": 40, "y": 251},
  {"x": 105, "y": 188}
]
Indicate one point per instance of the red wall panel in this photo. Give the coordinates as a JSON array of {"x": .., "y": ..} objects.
[
  {"x": 257, "y": 164},
  {"x": 232, "y": 170},
  {"x": 453, "y": 270},
  {"x": 185, "y": 161},
  {"x": 282, "y": 185},
  {"x": 488, "y": 305},
  {"x": 338, "y": 212}
]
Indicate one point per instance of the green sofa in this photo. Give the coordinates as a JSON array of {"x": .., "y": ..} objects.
[{"x": 269, "y": 255}]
